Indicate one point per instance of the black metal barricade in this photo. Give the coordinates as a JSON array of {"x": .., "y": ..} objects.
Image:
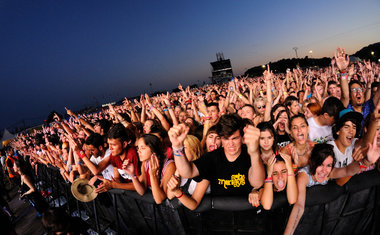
[{"x": 331, "y": 209}]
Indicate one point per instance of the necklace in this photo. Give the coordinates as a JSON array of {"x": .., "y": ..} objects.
[{"x": 306, "y": 149}]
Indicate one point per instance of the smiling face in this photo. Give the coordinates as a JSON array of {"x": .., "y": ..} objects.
[
  {"x": 232, "y": 144},
  {"x": 266, "y": 140},
  {"x": 280, "y": 175},
  {"x": 322, "y": 172},
  {"x": 299, "y": 130},
  {"x": 347, "y": 133},
  {"x": 147, "y": 125},
  {"x": 213, "y": 141}
]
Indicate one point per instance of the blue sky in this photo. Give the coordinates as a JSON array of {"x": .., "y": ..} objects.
[{"x": 73, "y": 53}]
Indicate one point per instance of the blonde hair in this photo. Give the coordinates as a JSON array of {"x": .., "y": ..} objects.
[{"x": 193, "y": 145}]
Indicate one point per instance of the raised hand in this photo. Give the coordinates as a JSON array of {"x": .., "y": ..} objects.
[
  {"x": 173, "y": 185},
  {"x": 128, "y": 167},
  {"x": 69, "y": 112},
  {"x": 342, "y": 60},
  {"x": 268, "y": 74},
  {"x": 373, "y": 151},
  {"x": 177, "y": 135},
  {"x": 288, "y": 160},
  {"x": 251, "y": 138},
  {"x": 153, "y": 165}
]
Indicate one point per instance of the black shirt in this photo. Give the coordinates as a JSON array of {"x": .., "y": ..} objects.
[{"x": 226, "y": 178}]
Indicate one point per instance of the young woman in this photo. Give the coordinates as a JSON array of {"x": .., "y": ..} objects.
[
  {"x": 267, "y": 141},
  {"x": 212, "y": 140},
  {"x": 188, "y": 191},
  {"x": 28, "y": 190},
  {"x": 156, "y": 169},
  {"x": 279, "y": 176},
  {"x": 282, "y": 128},
  {"x": 319, "y": 170},
  {"x": 301, "y": 147}
]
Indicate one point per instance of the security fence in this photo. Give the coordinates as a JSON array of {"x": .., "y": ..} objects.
[{"x": 331, "y": 209}]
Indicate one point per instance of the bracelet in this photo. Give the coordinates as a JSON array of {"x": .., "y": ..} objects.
[
  {"x": 165, "y": 110},
  {"x": 295, "y": 166},
  {"x": 362, "y": 165},
  {"x": 207, "y": 118},
  {"x": 269, "y": 178},
  {"x": 179, "y": 196},
  {"x": 178, "y": 152},
  {"x": 240, "y": 96},
  {"x": 80, "y": 163},
  {"x": 134, "y": 176},
  {"x": 291, "y": 175},
  {"x": 268, "y": 181},
  {"x": 81, "y": 154}
]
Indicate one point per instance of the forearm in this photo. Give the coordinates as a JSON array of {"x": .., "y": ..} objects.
[
  {"x": 294, "y": 218},
  {"x": 267, "y": 197},
  {"x": 256, "y": 173},
  {"x": 126, "y": 186},
  {"x": 139, "y": 187},
  {"x": 158, "y": 193}
]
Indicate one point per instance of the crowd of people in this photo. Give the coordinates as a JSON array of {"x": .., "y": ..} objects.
[{"x": 252, "y": 137}]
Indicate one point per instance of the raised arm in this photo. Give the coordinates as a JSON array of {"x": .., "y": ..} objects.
[
  {"x": 177, "y": 135},
  {"x": 299, "y": 207},
  {"x": 342, "y": 61},
  {"x": 256, "y": 173}
]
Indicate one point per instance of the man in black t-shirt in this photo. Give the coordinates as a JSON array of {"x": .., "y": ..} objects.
[{"x": 233, "y": 169}]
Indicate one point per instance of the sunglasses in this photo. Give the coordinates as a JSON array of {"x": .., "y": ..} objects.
[
  {"x": 358, "y": 89},
  {"x": 259, "y": 107}
]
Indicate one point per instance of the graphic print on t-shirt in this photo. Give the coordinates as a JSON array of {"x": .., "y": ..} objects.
[{"x": 235, "y": 181}]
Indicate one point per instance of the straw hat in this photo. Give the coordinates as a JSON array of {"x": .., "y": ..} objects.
[{"x": 83, "y": 191}]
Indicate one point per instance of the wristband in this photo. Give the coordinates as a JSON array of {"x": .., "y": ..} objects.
[
  {"x": 343, "y": 76},
  {"x": 362, "y": 165},
  {"x": 80, "y": 163},
  {"x": 179, "y": 196},
  {"x": 291, "y": 175},
  {"x": 295, "y": 166},
  {"x": 285, "y": 93},
  {"x": 165, "y": 110},
  {"x": 178, "y": 152},
  {"x": 81, "y": 154},
  {"x": 133, "y": 176},
  {"x": 207, "y": 118},
  {"x": 151, "y": 107},
  {"x": 268, "y": 178}
]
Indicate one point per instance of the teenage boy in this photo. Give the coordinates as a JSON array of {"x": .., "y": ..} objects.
[
  {"x": 320, "y": 126},
  {"x": 233, "y": 169},
  {"x": 120, "y": 142}
]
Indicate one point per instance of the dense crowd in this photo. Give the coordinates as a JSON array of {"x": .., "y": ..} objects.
[{"x": 251, "y": 136}]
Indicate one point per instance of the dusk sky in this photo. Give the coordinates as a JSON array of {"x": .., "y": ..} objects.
[{"x": 75, "y": 53}]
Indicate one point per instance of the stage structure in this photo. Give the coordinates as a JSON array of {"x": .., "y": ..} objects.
[{"x": 221, "y": 69}]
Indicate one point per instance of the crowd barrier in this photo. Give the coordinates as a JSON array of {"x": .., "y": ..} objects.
[{"x": 331, "y": 209}]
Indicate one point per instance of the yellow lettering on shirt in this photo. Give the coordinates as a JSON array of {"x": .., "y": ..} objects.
[{"x": 236, "y": 181}]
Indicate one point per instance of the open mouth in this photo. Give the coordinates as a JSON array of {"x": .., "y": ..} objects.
[
  {"x": 301, "y": 137},
  {"x": 321, "y": 177},
  {"x": 349, "y": 139},
  {"x": 280, "y": 184},
  {"x": 212, "y": 147}
]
